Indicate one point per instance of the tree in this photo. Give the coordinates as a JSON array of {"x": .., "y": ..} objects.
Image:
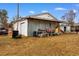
[
  {"x": 69, "y": 17},
  {"x": 63, "y": 17},
  {"x": 3, "y": 18}
]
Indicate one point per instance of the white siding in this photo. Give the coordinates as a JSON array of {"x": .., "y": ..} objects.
[
  {"x": 26, "y": 27},
  {"x": 68, "y": 29},
  {"x": 62, "y": 28},
  {"x": 34, "y": 25},
  {"x": 15, "y": 26},
  {"x": 62, "y": 25},
  {"x": 22, "y": 27}
]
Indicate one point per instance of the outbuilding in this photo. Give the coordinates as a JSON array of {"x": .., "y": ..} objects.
[
  {"x": 65, "y": 27},
  {"x": 27, "y": 25}
]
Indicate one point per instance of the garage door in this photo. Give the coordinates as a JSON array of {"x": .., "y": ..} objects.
[{"x": 23, "y": 29}]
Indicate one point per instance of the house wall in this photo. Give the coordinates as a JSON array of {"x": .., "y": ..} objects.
[
  {"x": 15, "y": 26},
  {"x": 27, "y": 27},
  {"x": 22, "y": 27},
  {"x": 62, "y": 25},
  {"x": 67, "y": 28},
  {"x": 34, "y": 25},
  {"x": 42, "y": 21}
]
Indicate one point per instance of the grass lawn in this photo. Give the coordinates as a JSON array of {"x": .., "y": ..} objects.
[{"x": 62, "y": 45}]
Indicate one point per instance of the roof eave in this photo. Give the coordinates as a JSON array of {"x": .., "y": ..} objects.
[{"x": 44, "y": 19}]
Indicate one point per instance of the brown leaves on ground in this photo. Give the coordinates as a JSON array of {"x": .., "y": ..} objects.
[{"x": 62, "y": 45}]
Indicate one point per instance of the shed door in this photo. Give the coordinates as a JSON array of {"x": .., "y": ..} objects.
[
  {"x": 23, "y": 29},
  {"x": 65, "y": 29}
]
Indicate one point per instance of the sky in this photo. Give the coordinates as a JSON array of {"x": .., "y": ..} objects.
[{"x": 25, "y": 9}]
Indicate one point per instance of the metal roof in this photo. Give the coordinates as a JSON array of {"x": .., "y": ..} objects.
[{"x": 39, "y": 18}]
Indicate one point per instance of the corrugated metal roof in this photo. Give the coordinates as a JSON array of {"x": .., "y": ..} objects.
[{"x": 39, "y": 18}]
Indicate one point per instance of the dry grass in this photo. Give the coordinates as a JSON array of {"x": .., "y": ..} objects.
[{"x": 62, "y": 45}]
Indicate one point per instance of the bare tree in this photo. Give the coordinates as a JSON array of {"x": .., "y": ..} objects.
[{"x": 69, "y": 17}]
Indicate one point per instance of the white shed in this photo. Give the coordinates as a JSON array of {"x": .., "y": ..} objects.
[
  {"x": 65, "y": 27},
  {"x": 27, "y": 25}
]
